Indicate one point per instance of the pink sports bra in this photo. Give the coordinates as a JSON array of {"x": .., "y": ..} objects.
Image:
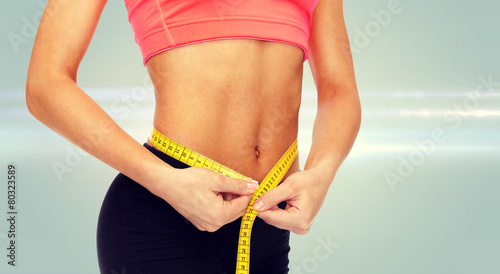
[{"x": 160, "y": 25}]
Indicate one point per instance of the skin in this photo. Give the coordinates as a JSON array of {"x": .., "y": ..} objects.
[{"x": 235, "y": 101}]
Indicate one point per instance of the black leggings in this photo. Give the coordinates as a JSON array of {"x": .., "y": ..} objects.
[{"x": 139, "y": 232}]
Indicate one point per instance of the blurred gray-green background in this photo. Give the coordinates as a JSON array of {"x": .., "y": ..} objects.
[{"x": 419, "y": 192}]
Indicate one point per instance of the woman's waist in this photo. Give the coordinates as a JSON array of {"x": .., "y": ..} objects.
[{"x": 249, "y": 146}]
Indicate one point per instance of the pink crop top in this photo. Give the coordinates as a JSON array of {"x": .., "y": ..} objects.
[{"x": 160, "y": 25}]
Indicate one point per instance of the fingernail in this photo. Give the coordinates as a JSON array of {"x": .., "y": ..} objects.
[
  {"x": 258, "y": 205},
  {"x": 252, "y": 185}
]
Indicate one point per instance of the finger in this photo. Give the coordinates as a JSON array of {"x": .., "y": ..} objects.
[
  {"x": 236, "y": 207},
  {"x": 236, "y": 186},
  {"x": 288, "y": 219},
  {"x": 273, "y": 197}
]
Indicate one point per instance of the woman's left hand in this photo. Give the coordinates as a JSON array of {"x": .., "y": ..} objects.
[{"x": 304, "y": 192}]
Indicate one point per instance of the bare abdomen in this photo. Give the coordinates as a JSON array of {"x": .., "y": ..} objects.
[{"x": 235, "y": 101}]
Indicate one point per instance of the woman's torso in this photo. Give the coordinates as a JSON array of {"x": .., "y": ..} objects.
[{"x": 236, "y": 101}]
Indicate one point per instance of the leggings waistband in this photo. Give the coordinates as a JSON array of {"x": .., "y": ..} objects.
[{"x": 164, "y": 157}]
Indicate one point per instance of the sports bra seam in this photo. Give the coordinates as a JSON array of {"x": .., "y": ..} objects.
[
  {"x": 220, "y": 21},
  {"x": 164, "y": 24},
  {"x": 235, "y": 18},
  {"x": 152, "y": 32}
]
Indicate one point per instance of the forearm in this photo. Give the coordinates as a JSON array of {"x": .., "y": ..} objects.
[
  {"x": 63, "y": 107},
  {"x": 335, "y": 129}
]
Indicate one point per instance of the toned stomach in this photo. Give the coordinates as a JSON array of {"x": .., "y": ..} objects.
[{"x": 235, "y": 101}]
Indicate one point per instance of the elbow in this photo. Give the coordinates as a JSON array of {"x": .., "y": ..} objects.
[
  {"x": 37, "y": 90},
  {"x": 36, "y": 93},
  {"x": 347, "y": 96},
  {"x": 29, "y": 91},
  {"x": 344, "y": 99},
  {"x": 32, "y": 94},
  {"x": 356, "y": 111}
]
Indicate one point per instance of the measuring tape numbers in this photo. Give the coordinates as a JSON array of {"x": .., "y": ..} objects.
[{"x": 272, "y": 179}]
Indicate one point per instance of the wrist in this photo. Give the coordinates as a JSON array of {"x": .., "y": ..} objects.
[
  {"x": 325, "y": 170},
  {"x": 157, "y": 176}
]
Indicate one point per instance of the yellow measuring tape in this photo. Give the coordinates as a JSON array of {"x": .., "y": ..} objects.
[{"x": 272, "y": 179}]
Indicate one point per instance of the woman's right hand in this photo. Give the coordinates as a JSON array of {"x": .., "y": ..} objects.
[{"x": 199, "y": 194}]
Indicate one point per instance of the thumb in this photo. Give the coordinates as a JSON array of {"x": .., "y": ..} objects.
[
  {"x": 236, "y": 186},
  {"x": 272, "y": 198}
]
